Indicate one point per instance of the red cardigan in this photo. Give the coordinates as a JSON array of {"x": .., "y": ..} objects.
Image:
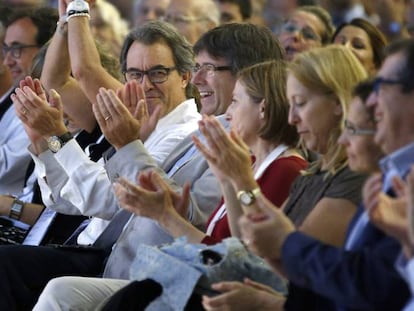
[{"x": 275, "y": 185}]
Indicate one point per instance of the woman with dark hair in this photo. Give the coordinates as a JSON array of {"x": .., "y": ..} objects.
[{"x": 365, "y": 40}]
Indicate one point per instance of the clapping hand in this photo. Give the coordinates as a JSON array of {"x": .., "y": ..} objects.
[
  {"x": 153, "y": 198},
  {"x": 227, "y": 155}
]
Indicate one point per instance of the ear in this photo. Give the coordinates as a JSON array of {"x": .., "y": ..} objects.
[
  {"x": 185, "y": 79},
  {"x": 262, "y": 106}
]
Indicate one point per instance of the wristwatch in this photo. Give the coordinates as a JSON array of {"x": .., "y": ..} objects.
[
  {"x": 55, "y": 143},
  {"x": 247, "y": 197},
  {"x": 77, "y": 6},
  {"x": 16, "y": 209}
]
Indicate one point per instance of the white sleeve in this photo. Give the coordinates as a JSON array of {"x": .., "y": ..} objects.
[{"x": 14, "y": 157}]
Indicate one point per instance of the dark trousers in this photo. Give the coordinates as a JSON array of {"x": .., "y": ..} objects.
[
  {"x": 25, "y": 271},
  {"x": 137, "y": 295}
]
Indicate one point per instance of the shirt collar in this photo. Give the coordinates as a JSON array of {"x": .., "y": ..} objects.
[
  {"x": 399, "y": 162},
  {"x": 177, "y": 114}
]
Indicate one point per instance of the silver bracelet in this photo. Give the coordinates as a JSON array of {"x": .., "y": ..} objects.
[{"x": 77, "y": 15}]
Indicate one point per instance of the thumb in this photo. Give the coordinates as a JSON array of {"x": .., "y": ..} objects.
[
  {"x": 225, "y": 286},
  {"x": 156, "y": 114},
  {"x": 398, "y": 186},
  {"x": 159, "y": 183},
  {"x": 55, "y": 99},
  {"x": 140, "y": 110}
]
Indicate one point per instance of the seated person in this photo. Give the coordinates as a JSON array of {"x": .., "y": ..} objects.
[
  {"x": 330, "y": 278},
  {"x": 363, "y": 155},
  {"x": 258, "y": 116}
]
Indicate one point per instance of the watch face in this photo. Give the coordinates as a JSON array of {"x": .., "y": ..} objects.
[
  {"x": 54, "y": 144},
  {"x": 79, "y": 5},
  {"x": 246, "y": 198}
]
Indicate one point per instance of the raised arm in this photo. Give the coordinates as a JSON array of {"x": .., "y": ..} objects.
[
  {"x": 84, "y": 58},
  {"x": 56, "y": 74}
]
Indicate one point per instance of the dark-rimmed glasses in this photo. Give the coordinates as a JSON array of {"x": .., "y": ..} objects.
[
  {"x": 16, "y": 49},
  {"x": 353, "y": 130},
  {"x": 209, "y": 69},
  {"x": 376, "y": 83},
  {"x": 155, "y": 75}
]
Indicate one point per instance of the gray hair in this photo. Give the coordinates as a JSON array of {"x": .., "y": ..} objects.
[{"x": 160, "y": 31}]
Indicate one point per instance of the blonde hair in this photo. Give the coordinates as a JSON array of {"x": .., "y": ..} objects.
[
  {"x": 112, "y": 17},
  {"x": 329, "y": 70}
]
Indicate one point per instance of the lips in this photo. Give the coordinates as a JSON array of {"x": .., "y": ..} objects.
[
  {"x": 302, "y": 132},
  {"x": 204, "y": 94}
]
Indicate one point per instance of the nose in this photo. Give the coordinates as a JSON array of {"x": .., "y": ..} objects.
[
  {"x": 348, "y": 45},
  {"x": 343, "y": 138},
  {"x": 293, "y": 116},
  {"x": 372, "y": 99},
  {"x": 197, "y": 78},
  {"x": 8, "y": 60},
  {"x": 228, "y": 113},
  {"x": 146, "y": 83}
]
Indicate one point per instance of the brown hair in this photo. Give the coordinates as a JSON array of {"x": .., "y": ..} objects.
[
  {"x": 267, "y": 81},
  {"x": 376, "y": 37}
]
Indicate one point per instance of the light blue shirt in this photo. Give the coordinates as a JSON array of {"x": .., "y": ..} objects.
[{"x": 397, "y": 163}]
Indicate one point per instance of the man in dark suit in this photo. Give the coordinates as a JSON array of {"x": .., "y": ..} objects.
[{"x": 360, "y": 276}]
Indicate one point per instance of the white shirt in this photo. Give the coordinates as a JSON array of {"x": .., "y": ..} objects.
[
  {"x": 77, "y": 185},
  {"x": 14, "y": 158}
]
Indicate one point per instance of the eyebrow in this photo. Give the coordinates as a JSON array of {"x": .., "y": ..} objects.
[{"x": 153, "y": 67}]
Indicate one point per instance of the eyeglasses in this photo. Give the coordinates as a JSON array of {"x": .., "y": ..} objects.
[
  {"x": 376, "y": 83},
  {"x": 209, "y": 69},
  {"x": 307, "y": 33},
  {"x": 16, "y": 49},
  {"x": 182, "y": 19},
  {"x": 352, "y": 130},
  {"x": 155, "y": 75}
]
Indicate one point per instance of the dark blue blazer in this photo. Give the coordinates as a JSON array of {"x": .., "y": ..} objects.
[{"x": 324, "y": 277}]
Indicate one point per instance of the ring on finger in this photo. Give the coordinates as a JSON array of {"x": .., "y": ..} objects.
[
  {"x": 107, "y": 117},
  {"x": 24, "y": 111}
]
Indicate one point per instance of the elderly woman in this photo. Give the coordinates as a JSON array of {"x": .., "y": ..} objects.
[
  {"x": 306, "y": 28},
  {"x": 365, "y": 40}
]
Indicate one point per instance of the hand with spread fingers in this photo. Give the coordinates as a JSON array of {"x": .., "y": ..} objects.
[
  {"x": 227, "y": 155},
  {"x": 154, "y": 198},
  {"x": 41, "y": 118},
  {"x": 389, "y": 214},
  {"x": 133, "y": 97},
  {"x": 21, "y": 110},
  {"x": 119, "y": 126},
  {"x": 265, "y": 229},
  {"x": 245, "y": 296}
]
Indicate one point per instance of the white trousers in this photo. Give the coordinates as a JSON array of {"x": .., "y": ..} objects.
[{"x": 77, "y": 293}]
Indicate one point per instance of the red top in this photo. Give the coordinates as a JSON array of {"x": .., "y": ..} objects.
[{"x": 275, "y": 185}]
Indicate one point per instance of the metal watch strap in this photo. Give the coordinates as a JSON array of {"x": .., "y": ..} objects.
[{"x": 16, "y": 209}]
